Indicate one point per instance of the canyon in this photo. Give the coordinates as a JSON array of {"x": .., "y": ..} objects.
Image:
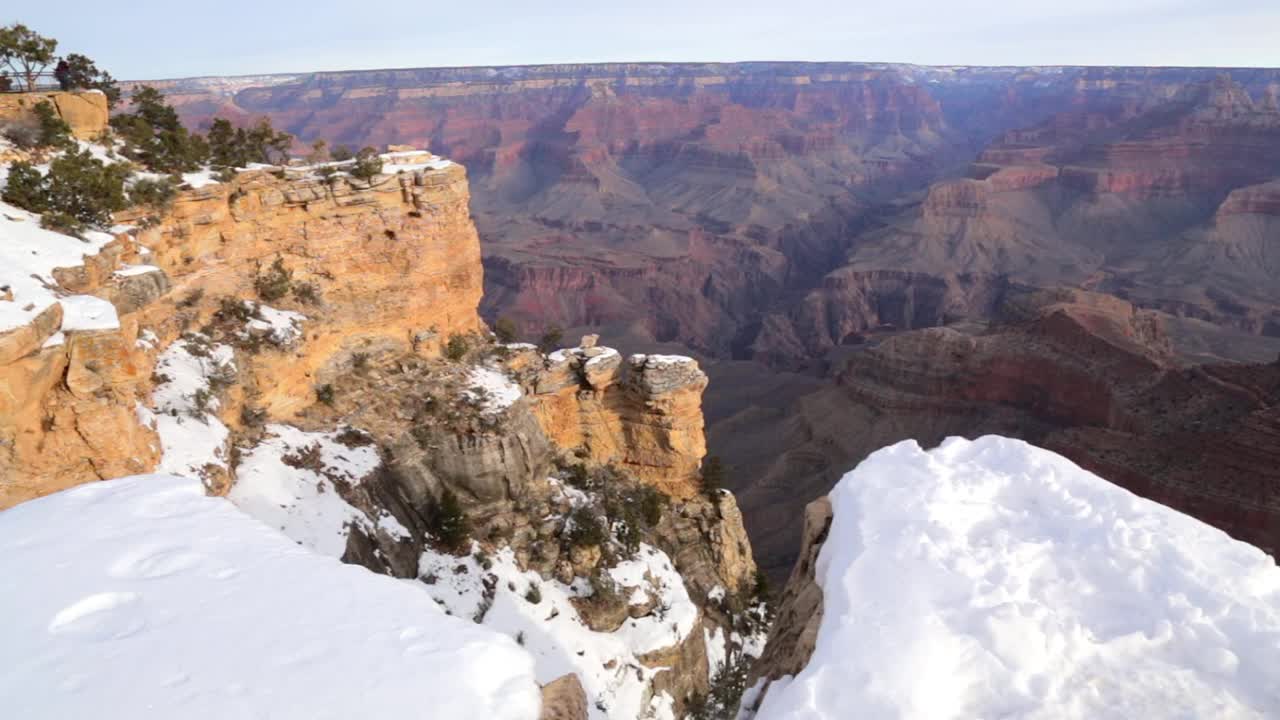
[{"x": 793, "y": 224}]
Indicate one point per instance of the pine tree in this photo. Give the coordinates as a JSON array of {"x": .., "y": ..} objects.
[
  {"x": 26, "y": 188},
  {"x": 54, "y": 132},
  {"x": 712, "y": 476},
  {"x": 448, "y": 523}
]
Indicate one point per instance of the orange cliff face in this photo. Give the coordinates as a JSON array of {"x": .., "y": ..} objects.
[
  {"x": 396, "y": 262},
  {"x": 392, "y": 263}
]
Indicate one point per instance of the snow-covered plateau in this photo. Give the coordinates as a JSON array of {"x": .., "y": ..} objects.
[{"x": 994, "y": 579}]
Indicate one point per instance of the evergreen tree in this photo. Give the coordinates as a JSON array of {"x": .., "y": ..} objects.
[
  {"x": 26, "y": 188},
  {"x": 82, "y": 73},
  {"x": 712, "y": 476},
  {"x": 448, "y": 523},
  {"x": 154, "y": 135},
  {"x": 550, "y": 339},
  {"x": 53, "y": 130},
  {"x": 505, "y": 329},
  {"x": 368, "y": 164},
  {"x": 25, "y": 52},
  {"x": 85, "y": 189}
]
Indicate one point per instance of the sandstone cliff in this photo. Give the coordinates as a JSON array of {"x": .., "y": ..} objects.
[{"x": 84, "y": 110}]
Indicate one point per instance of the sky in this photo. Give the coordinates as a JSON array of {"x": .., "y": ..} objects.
[{"x": 157, "y": 39}]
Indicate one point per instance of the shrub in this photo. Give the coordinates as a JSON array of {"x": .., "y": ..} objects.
[
  {"x": 78, "y": 191},
  {"x": 252, "y": 417},
  {"x": 21, "y": 134},
  {"x": 760, "y": 588},
  {"x": 447, "y": 523},
  {"x": 53, "y": 131},
  {"x": 712, "y": 476},
  {"x": 325, "y": 394},
  {"x": 275, "y": 283},
  {"x": 585, "y": 529},
  {"x": 550, "y": 339},
  {"x": 156, "y": 194},
  {"x": 233, "y": 308},
  {"x": 341, "y": 153},
  {"x": 368, "y": 165},
  {"x": 457, "y": 347},
  {"x": 305, "y": 458},
  {"x": 505, "y": 329},
  {"x": 26, "y": 187},
  {"x": 534, "y": 594},
  {"x": 352, "y": 438},
  {"x": 306, "y": 293}
]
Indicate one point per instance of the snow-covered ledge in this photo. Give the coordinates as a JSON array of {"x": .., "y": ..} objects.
[{"x": 991, "y": 578}]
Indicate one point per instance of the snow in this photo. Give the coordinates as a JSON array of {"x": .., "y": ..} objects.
[
  {"x": 651, "y": 568},
  {"x": 55, "y": 340},
  {"x": 991, "y": 578},
  {"x": 28, "y": 255},
  {"x": 131, "y": 270},
  {"x": 658, "y": 362},
  {"x": 497, "y": 391},
  {"x": 305, "y": 504},
  {"x": 717, "y": 652},
  {"x": 616, "y": 682},
  {"x": 199, "y": 179},
  {"x": 281, "y": 327},
  {"x": 143, "y": 598},
  {"x": 87, "y": 312},
  {"x": 191, "y": 439}
]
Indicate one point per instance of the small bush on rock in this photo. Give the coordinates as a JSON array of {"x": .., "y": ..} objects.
[
  {"x": 457, "y": 347},
  {"x": 275, "y": 283},
  {"x": 368, "y": 165}
]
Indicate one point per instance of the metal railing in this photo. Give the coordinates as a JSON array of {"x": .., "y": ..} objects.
[{"x": 18, "y": 83}]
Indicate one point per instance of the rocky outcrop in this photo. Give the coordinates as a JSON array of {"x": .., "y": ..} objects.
[
  {"x": 564, "y": 699},
  {"x": 646, "y": 418},
  {"x": 69, "y": 389},
  {"x": 799, "y": 615},
  {"x": 84, "y": 110}
]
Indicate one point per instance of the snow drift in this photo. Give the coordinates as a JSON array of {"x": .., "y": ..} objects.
[
  {"x": 143, "y": 598},
  {"x": 995, "y": 579}
]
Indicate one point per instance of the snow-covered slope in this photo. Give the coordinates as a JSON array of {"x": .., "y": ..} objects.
[
  {"x": 993, "y": 579},
  {"x": 143, "y": 598}
]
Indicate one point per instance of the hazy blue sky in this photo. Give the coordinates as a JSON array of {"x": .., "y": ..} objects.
[{"x": 137, "y": 39}]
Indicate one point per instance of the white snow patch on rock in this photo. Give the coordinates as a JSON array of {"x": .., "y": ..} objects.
[
  {"x": 305, "y": 503},
  {"x": 995, "y": 579},
  {"x": 491, "y": 389},
  {"x": 131, "y": 270},
  {"x": 192, "y": 438},
  {"x": 88, "y": 312},
  {"x": 143, "y": 598},
  {"x": 617, "y": 684}
]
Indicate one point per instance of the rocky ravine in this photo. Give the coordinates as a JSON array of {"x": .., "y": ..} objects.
[{"x": 312, "y": 350}]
